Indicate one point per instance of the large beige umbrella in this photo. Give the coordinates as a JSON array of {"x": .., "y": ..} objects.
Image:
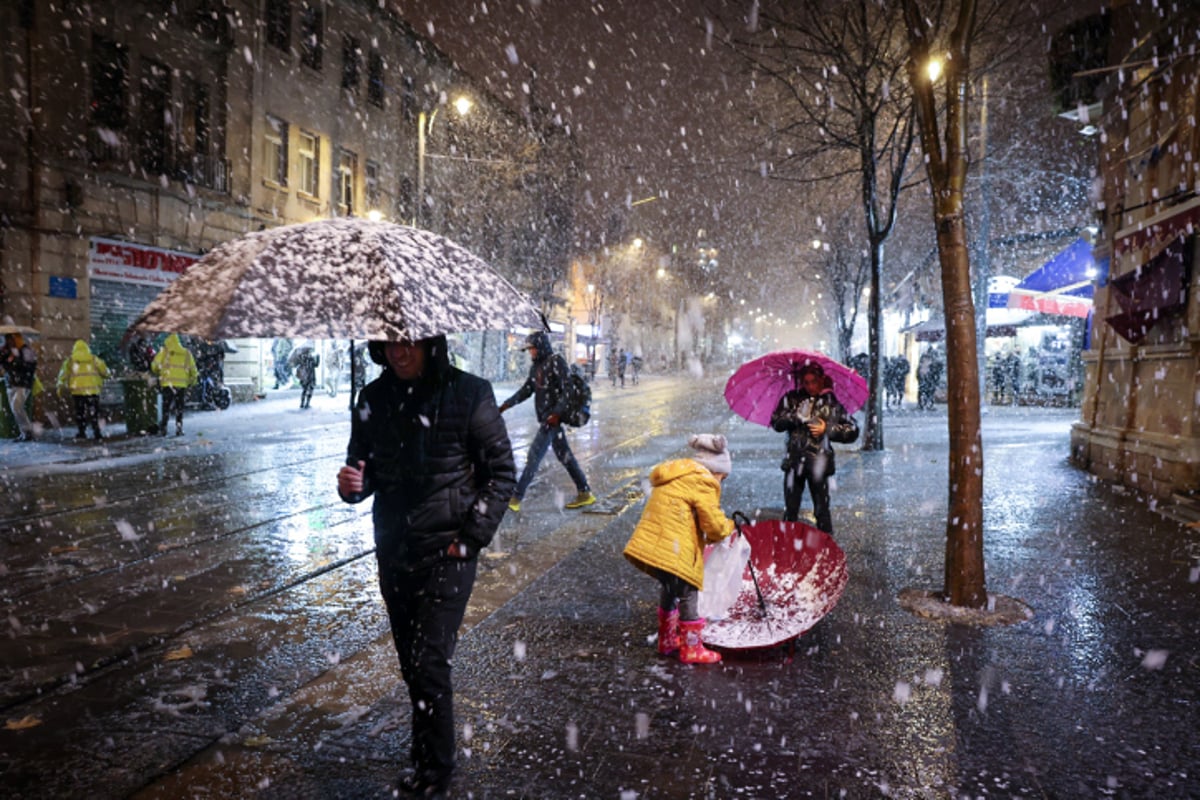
[{"x": 344, "y": 278}]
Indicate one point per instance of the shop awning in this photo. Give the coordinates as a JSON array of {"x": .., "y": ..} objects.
[
  {"x": 1063, "y": 285},
  {"x": 1152, "y": 290}
]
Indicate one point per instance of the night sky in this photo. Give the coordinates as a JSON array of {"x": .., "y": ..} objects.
[{"x": 637, "y": 82}]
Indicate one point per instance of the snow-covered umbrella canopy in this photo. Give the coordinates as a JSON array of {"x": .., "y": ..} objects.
[
  {"x": 344, "y": 278},
  {"x": 7, "y": 326}
]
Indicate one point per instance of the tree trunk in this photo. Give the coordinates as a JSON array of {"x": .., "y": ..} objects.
[
  {"x": 873, "y": 431},
  {"x": 947, "y": 170},
  {"x": 964, "y": 525}
]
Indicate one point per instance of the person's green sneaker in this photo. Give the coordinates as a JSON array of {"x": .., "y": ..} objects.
[
  {"x": 582, "y": 499},
  {"x": 514, "y": 504}
]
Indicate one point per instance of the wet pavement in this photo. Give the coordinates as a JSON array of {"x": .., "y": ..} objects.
[{"x": 561, "y": 693}]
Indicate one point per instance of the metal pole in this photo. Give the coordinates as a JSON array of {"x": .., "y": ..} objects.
[{"x": 418, "y": 212}]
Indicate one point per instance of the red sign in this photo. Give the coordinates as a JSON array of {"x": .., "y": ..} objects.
[{"x": 127, "y": 262}]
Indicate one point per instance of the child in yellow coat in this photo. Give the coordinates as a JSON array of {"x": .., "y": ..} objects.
[{"x": 682, "y": 515}]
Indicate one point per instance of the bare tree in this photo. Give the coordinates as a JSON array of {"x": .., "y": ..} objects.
[{"x": 834, "y": 103}]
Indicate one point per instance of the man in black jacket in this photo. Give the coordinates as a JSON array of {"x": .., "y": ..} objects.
[
  {"x": 547, "y": 381},
  {"x": 428, "y": 441}
]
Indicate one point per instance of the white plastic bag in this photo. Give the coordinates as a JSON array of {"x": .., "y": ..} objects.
[{"x": 724, "y": 565}]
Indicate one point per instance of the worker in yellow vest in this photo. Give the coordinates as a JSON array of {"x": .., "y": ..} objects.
[
  {"x": 176, "y": 371},
  {"x": 83, "y": 373}
]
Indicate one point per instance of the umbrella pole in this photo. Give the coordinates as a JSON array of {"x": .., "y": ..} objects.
[
  {"x": 353, "y": 384},
  {"x": 762, "y": 603}
]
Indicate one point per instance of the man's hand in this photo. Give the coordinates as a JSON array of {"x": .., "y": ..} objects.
[
  {"x": 504, "y": 407},
  {"x": 552, "y": 420},
  {"x": 816, "y": 426},
  {"x": 350, "y": 479}
]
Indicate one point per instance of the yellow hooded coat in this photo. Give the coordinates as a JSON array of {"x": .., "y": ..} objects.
[
  {"x": 82, "y": 372},
  {"x": 174, "y": 364},
  {"x": 682, "y": 515}
]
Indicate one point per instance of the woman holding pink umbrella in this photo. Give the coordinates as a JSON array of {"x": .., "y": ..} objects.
[{"x": 813, "y": 418}]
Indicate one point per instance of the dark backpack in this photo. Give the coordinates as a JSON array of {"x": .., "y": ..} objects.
[{"x": 579, "y": 398}]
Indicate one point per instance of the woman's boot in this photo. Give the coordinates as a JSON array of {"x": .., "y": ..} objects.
[
  {"x": 691, "y": 647},
  {"x": 668, "y": 631}
]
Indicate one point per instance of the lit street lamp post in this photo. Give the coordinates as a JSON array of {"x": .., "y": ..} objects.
[{"x": 425, "y": 121}]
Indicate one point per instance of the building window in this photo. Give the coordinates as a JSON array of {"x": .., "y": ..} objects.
[
  {"x": 279, "y": 24},
  {"x": 347, "y": 166},
  {"x": 406, "y": 207},
  {"x": 371, "y": 186},
  {"x": 110, "y": 64},
  {"x": 312, "y": 35},
  {"x": 153, "y": 118},
  {"x": 351, "y": 63},
  {"x": 308, "y": 158},
  {"x": 375, "y": 79},
  {"x": 408, "y": 100},
  {"x": 276, "y": 151},
  {"x": 194, "y": 132}
]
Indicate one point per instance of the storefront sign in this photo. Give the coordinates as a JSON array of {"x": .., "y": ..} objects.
[{"x": 128, "y": 262}]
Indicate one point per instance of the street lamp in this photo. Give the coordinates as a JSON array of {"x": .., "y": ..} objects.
[{"x": 463, "y": 106}]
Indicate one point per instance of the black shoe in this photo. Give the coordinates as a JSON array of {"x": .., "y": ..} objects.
[
  {"x": 417, "y": 786},
  {"x": 81, "y": 435}
]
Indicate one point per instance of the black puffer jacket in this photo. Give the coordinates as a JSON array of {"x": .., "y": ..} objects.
[
  {"x": 547, "y": 381},
  {"x": 438, "y": 460},
  {"x": 797, "y": 407}
]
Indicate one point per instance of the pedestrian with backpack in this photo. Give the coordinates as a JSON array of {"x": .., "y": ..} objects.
[{"x": 547, "y": 382}]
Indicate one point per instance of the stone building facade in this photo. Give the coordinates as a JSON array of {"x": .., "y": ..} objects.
[
  {"x": 1139, "y": 423},
  {"x": 139, "y": 134}
]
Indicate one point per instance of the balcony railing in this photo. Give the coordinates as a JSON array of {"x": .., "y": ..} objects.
[{"x": 106, "y": 147}]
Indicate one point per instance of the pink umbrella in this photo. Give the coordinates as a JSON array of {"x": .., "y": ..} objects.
[{"x": 755, "y": 387}]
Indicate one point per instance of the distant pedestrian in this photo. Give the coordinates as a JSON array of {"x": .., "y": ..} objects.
[
  {"x": 281, "y": 349},
  {"x": 305, "y": 361},
  {"x": 429, "y": 443},
  {"x": 895, "y": 373},
  {"x": 682, "y": 515},
  {"x": 812, "y": 417},
  {"x": 613, "y": 361},
  {"x": 141, "y": 354},
  {"x": 1012, "y": 376},
  {"x": 622, "y": 363},
  {"x": 636, "y": 363},
  {"x": 335, "y": 362},
  {"x": 929, "y": 377},
  {"x": 176, "y": 371},
  {"x": 18, "y": 364},
  {"x": 547, "y": 382},
  {"x": 83, "y": 375}
]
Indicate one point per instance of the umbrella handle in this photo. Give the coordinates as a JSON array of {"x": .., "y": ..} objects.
[{"x": 740, "y": 519}]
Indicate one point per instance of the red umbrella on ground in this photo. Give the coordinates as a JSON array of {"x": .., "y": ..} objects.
[
  {"x": 755, "y": 387},
  {"x": 796, "y": 575}
]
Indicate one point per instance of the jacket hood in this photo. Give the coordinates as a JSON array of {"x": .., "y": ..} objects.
[
  {"x": 674, "y": 470},
  {"x": 172, "y": 343},
  {"x": 80, "y": 350},
  {"x": 541, "y": 341}
]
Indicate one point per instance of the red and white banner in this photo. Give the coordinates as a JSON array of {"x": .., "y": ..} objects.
[{"x": 128, "y": 262}]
